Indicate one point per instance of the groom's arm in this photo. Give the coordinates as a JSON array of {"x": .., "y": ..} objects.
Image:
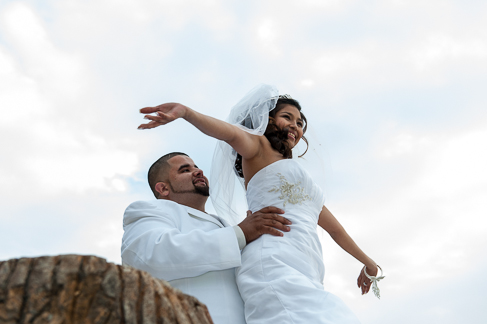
[{"x": 153, "y": 241}]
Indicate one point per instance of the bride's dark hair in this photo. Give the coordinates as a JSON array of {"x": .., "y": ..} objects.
[{"x": 277, "y": 136}]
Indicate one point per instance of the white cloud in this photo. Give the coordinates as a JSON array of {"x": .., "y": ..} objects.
[
  {"x": 434, "y": 222},
  {"x": 406, "y": 144},
  {"x": 337, "y": 64},
  {"x": 307, "y": 83},
  {"x": 426, "y": 228},
  {"x": 20, "y": 95},
  {"x": 441, "y": 49},
  {"x": 458, "y": 166},
  {"x": 78, "y": 164},
  {"x": 328, "y": 4},
  {"x": 266, "y": 31},
  {"x": 267, "y": 36},
  {"x": 40, "y": 59},
  {"x": 45, "y": 93},
  {"x": 120, "y": 23}
]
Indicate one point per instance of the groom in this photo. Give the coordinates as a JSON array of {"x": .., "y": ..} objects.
[{"x": 174, "y": 239}]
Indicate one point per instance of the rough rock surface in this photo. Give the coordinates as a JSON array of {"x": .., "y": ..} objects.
[{"x": 87, "y": 289}]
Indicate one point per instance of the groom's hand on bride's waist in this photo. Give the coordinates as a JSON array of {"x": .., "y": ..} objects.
[{"x": 265, "y": 221}]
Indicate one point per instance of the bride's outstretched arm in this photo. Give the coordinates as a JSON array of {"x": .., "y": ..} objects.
[
  {"x": 244, "y": 143},
  {"x": 330, "y": 224}
]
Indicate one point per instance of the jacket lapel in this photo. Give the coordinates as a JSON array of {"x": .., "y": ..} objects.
[
  {"x": 203, "y": 216},
  {"x": 223, "y": 221}
]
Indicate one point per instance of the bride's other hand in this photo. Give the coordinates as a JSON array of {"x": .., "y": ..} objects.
[
  {"x": 363, "y": 282},
  {"x": 164, "y": 114}
]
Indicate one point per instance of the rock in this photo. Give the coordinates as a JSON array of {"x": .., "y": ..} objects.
[{"x": 87, "y": 289}]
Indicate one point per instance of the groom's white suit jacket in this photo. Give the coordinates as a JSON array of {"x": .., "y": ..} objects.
[{"x": 197, "y": 253}]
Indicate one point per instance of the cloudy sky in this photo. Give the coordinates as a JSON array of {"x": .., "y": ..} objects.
[{"x": 395, "y": 91}]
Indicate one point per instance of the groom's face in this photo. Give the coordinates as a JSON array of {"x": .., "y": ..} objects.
[{"x": 186, "y": 178}]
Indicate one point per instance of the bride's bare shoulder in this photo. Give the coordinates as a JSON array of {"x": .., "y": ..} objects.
[{"x": 266, "y": 156}]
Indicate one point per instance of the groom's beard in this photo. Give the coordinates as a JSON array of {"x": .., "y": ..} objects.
[{"x": 204, "y": 191}]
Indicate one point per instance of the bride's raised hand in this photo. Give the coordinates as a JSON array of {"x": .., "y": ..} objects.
[{"x": 164, "y": 114}]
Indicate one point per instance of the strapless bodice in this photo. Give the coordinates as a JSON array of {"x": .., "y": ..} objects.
[{"x": 285, "y": 184}]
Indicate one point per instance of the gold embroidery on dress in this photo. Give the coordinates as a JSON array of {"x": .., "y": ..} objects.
[{"x": 291, "y": 192}]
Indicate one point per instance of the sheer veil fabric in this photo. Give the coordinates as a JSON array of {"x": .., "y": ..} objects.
[{"x": 251, "y": 114}]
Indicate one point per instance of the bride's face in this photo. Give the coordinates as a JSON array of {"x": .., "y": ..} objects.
[{"x": 289, "y": 117}]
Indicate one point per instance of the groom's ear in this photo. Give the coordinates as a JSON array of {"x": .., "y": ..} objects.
[{"x": 162, "y": 189}]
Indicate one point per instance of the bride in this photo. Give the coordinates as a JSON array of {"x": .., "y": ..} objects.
[{"x": 281, "y": 278}]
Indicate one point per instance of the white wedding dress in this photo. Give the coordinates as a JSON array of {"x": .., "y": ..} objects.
[{"x": 281, "y": 278}]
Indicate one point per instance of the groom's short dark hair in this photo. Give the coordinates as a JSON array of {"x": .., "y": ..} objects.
[{"x": 158, "y": 170}]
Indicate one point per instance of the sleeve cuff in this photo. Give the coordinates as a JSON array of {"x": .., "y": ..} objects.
[{"x": 242, "y": 242}]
